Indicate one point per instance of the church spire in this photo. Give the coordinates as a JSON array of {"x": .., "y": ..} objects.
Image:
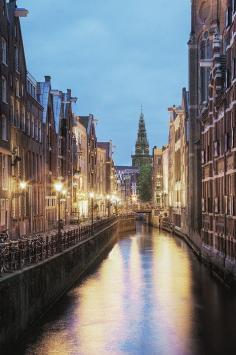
[{"x": 141, "y": 156}]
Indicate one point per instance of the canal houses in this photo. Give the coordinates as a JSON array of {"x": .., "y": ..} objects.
[
  {"x": 21, "y": 127},
  {"x": 50, "y": 146},
  {"x": 5, "y": 131},
  {"x": 157, "y": 178},
  {"x": 219, "y": 149},
  {"x": 178, "y": 165}
]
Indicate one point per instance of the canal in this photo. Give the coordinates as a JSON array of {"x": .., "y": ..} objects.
[{"x": 149, "y": 295}]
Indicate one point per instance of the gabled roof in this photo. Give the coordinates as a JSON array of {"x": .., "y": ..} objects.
[
  {"x": 57, "y": 108},
  {"x": 43, "y": 96},
  {"x": 107, "y": 146},
  {"x": 87, "y": 122}
]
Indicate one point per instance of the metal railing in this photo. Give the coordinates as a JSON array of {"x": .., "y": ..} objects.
[{"x": 15, "y": 255}]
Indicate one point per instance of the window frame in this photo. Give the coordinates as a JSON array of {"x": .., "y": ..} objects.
[
  {"x": 4, "y": 89},
  {"x": 4, "y": 50}
]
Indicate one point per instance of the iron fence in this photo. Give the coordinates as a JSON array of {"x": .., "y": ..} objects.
[{"x": 15, "y": 255}]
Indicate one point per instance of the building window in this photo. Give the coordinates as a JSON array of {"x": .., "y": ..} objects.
[
  {"x": 4, "y": 172},
  {"x": 28, "y": 124},
  {"x": 233, "y": 6},
  {"x": 4, "y": 50},
  {"x": 17, "y": 88},
  {"x": 3, "y": 212},
  {"x": 40, "y": 132},
  {"x": 4, "y": 89},
  {"x": 12, "y": 110},
  {"x": 23, "y": 119},
  {"x": 17, "y": 58},
  {"x": 205, "y": 54},
  {"x": 18, "y": 114},
  {"x": 32, "y": 127},
  {"x": 4, "y": 128}
]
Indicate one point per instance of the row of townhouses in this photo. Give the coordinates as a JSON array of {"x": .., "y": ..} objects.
[
  {"x": 43, "y": 145},
  {"x": 194, "y": 176}
]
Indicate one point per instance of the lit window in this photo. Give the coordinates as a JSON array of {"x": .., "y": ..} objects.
[
  {"x": 4, "y": 172},
  {"x": 4, "y": 89},
  {"x": 4, "y": 51},
  {"x": 4, "y": 128},
  {"x": 3, "y": 212}
]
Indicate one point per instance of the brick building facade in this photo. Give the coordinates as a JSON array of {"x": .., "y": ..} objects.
[{"x": 219, "y": 147}]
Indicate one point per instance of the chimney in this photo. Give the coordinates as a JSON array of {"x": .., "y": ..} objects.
[{"x": 47, "y": 79}]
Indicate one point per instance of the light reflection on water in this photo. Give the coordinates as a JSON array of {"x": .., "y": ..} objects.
[{"x": 149, "y": 296}]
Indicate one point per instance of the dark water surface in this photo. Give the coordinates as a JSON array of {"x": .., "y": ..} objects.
[{"x": 150, "y": 295}]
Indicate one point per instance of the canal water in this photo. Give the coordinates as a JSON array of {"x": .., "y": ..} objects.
[{"x": 149, "y": 295}]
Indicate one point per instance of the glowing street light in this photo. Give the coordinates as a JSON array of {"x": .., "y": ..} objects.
[
  {"x": 23, "y": 185},
  {"x": 58, "y": 186}
]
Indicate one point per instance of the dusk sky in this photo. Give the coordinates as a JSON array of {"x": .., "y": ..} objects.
[{"x": 115, "y": 56}]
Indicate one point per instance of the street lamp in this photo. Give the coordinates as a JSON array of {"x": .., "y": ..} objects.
[
  {"x": 108, "y": 205},
  {"x": 58, "y": 186},
  {"x": 22, "y": 187},
  {"x": 91, "y": 195}
]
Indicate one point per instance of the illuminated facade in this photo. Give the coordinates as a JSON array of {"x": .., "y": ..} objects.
[
  {"x": 157, "y": 178},
  {"x": 206, "y": 16},
  {"x": 80, "y": 171},
  {"x": 178, "y": 166},
  {"x": 218, "y": 154}
]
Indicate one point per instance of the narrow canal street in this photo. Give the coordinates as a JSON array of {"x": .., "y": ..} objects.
[{"x": 150, "y": 295}]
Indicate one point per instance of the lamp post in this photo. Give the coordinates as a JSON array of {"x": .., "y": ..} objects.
[
  {"x": 108, "y": 205},
  {"x": 91, "y": 195},
  {"x": 22, "y": 187},
  {"x": 58, "y": 186}
]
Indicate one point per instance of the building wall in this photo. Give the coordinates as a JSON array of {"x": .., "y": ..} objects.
[
  {"x": 21, "y": 155},
  {"x": 205, "y": 16},
  {"x": 177, "y": 182},
  {"x": 219, "y": 149},
  {"x": 80, "y": 168},
  {"x": 101, "y": 182},
  {"x": 5, "y": 132},
  {"x": 165, "y": 177},
  {"x": 157, "y": 178}
]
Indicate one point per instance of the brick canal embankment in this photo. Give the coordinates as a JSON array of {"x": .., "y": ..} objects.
[{"x": 47, "y": 271}]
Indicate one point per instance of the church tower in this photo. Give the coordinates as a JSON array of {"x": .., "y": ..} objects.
[{"x": 141, "y": 156}]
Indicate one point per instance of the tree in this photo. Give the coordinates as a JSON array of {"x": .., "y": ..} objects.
[{"x": 145, "y": 183}]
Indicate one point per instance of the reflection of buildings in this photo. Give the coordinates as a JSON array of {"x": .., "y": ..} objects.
[{"x": 127, "y": 182}]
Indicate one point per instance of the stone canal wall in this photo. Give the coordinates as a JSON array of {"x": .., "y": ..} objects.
[
  {"x": 27, "y": 294},
  {"x": 221, "y": 267}
]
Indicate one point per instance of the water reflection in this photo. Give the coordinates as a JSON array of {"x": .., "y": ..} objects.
[{"x": 149, "y": 296}]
